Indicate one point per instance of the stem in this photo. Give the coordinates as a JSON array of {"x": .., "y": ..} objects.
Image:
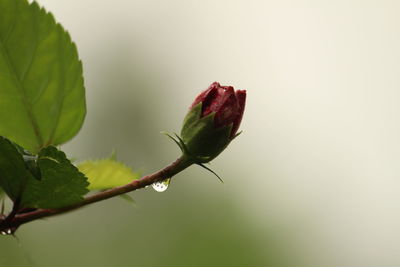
[{"x": 177, "y": 166}]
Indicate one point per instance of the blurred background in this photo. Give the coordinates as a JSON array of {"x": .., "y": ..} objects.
[{"x": 314, "y": 179}]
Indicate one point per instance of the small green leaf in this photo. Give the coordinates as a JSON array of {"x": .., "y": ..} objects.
[
  {"x": 13, "y": 171},
  {"x": 61, "y": 183},
  {"x": 107, "y": 173},
  {"x": 42, "y": 96}
]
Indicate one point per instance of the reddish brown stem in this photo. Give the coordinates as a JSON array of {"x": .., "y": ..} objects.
[{"x": 177, "y": 166}]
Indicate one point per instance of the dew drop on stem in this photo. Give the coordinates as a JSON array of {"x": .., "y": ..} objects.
[
  {"x": 161, "y": 186},
  {"x": 6, "y": 232}
]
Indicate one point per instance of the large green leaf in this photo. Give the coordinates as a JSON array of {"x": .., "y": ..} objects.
[
  {"x": 107, "y": 173},
  {"x": 42, "y": 97},
  {"x": 61, "y": 184}
]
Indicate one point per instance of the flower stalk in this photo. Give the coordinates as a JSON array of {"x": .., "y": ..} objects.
[{"x": 171, "y": 170}]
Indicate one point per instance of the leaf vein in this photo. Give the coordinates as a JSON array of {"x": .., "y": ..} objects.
[{"x": 21, "y": 90}]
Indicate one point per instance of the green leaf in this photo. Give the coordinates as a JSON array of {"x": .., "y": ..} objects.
[
  {"x": 107, "y": 173},
  {"x": 42, "y": 96},
  {"x": 61, "y": 183},
  {"x": 30, "y": 161},
  {"x": 13, "y": 172}
]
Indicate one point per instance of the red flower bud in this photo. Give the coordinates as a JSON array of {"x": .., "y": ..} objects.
[
  {"x": 212, "y": 121},
  {"x": 227, "y": 104}
]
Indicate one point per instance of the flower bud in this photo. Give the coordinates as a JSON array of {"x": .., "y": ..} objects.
[{"x": 212, "y": 121}]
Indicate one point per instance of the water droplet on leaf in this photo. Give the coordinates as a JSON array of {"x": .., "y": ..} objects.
[{"x": 161, "y": 186}]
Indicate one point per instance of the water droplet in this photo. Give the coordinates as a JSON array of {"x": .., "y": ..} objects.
[
  {"x": 6, "y": 232},
  {"x": 161, "y": 186}
]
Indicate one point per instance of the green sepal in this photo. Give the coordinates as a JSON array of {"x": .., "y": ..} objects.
[
  {"x": 202, "y": 140},
  {"x": 177, "y": 141},
  {"x": 210, "y": 170},
  {"x": 190, "y": 119}
]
